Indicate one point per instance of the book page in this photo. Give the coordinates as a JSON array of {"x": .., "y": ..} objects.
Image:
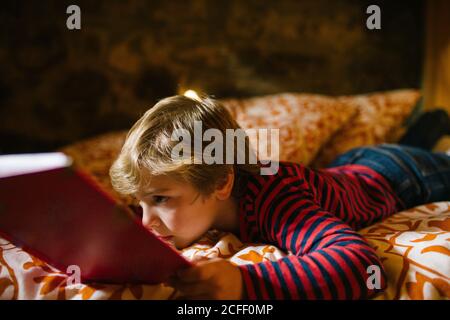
[{"x": 17, "y": 164}]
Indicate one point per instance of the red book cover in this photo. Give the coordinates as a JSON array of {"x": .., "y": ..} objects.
[{"x": 62, "y": 216}]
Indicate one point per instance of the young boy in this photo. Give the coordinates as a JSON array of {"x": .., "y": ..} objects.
[{"x": 312, "y": 214}]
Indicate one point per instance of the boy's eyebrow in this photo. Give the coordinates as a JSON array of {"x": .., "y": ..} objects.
[{"x": 155, "y": 191}]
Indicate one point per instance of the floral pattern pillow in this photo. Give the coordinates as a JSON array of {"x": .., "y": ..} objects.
[
  {"x": 96, "y": 155},
  {"x": 305, "y": 121},
  {"x": 379, "y": 118}
]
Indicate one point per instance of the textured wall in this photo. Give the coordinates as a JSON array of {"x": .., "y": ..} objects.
[{"x": 57, "y": 86}]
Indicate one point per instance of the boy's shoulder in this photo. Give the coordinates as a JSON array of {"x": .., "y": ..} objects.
[
  {"x": 288, "y": 173},
  {"x": 266, "y": 192},
  {"x": 285, "y": 169}
]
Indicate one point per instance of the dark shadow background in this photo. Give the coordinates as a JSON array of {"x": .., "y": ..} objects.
[{"x": 58, "y": 86}]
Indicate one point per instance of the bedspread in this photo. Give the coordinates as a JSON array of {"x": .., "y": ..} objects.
[{"x": 414, "y": 246}]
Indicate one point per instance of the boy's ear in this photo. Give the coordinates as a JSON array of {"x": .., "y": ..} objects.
[{"x": 223, "y": 191}]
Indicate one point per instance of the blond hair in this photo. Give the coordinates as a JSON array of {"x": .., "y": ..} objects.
[{"x": 147, "y": 150}]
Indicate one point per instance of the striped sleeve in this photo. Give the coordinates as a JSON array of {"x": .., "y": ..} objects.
[{"x": 328, "y": 259}]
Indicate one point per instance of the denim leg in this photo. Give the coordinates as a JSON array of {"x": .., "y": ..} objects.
[
  {"x": 416, "y": 175},
  {"x": 432, "y": 169}
]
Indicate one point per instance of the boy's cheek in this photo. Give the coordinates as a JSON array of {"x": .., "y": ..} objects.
[{"x": 188, "y": 227}]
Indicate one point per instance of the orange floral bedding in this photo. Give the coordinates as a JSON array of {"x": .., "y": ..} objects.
[{"x": 414, "y": 246}]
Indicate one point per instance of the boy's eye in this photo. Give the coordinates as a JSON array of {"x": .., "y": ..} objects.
[{"x": 160, "y": 199}]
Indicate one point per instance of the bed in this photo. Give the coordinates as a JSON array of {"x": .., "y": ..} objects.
[{"x": 414, "y": 245}]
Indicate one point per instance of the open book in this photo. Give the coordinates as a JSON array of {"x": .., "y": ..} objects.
[{"x": 62, "y": 216}]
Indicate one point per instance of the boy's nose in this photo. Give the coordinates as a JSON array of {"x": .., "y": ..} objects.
[{"x": 150, "y": 220}]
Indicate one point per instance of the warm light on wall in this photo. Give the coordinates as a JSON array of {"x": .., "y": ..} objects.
[
  {"x": 191, "y": 94},
  {"x": 436, "y": 80}
]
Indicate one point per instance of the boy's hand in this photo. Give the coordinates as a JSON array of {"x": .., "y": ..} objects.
[{"x": 209, "y": 279}]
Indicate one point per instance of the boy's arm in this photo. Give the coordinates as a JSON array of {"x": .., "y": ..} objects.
[{"x": 329, "y": 259}]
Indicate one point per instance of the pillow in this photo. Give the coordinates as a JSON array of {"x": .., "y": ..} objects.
[
  {"x": 306, "y": 121},
  {"x": 379, "y": 118},
  {"x": 96, "y": 155}
]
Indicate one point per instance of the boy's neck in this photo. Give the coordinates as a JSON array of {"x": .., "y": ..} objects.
[{"x": 227, "y": 217}]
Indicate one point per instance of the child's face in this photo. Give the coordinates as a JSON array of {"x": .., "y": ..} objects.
[{"x": 176, "y": 211}]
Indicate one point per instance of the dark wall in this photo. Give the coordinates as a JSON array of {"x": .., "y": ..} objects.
[{"x": 57, "y": 86}]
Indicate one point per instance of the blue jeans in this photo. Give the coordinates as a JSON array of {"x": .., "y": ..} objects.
[{"x": 416, "y": 175}]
